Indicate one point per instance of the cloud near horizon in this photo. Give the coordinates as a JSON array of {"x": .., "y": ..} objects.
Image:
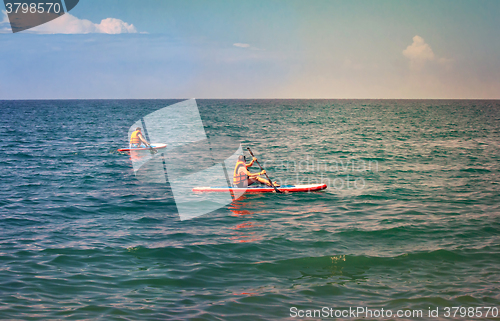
[
  {"x": 419, "y": 52},
  {"x": 241, "y": 45},
  {"x": 69, "y": 24}
]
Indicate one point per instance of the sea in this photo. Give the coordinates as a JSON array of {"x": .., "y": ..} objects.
[{"x": 409, "y": 224}]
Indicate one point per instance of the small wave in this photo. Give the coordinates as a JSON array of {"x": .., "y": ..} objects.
[{"x": 475, "y": 170}]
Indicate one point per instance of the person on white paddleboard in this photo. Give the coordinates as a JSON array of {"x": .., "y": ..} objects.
[
  {"x": 243, "y": 178},
  {"x": 137, "y": 140}
]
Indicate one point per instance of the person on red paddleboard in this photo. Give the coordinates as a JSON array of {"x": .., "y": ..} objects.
[
  {"x": 243, "y": 178},
  {"x": 136, "y": 139}
]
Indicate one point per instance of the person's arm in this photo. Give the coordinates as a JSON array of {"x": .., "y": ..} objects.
[
  {"x": 251, "y": 163},
  {"x": 143, "y": 140},
  {"x": 255, "y": 174}
]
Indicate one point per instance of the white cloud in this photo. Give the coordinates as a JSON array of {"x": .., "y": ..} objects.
[
  {"x": 246, "y": 46},
  {"x": 68, "y": 24},
  {"x": 419, "y": 53},
  {"x": 115, "y": 26},
  {"x": 4, "y": 23},
  {"x": 5, "y": 18},
  {"x": 241, "y": 45}
]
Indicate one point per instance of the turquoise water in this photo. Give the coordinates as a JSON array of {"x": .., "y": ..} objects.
[{"x": 411, "y": 218}]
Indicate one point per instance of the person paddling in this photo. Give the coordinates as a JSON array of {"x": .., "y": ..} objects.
[
  {"x": 243, "y": 178},
  {"x": 136, "y": 139}
]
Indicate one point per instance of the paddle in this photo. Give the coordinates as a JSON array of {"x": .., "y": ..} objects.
[
  {"x": 275, "y": 188},
  {"x": 152, "y": 150}
]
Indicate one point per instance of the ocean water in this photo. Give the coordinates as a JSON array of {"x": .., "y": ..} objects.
[{"x": 410, "y": 221}]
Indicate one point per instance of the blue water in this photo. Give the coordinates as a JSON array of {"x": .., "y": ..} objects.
[{"x": 411, "y": 218}]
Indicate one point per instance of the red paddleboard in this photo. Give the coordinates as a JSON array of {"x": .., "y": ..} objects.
[
  {"x": 154, "y": 146},
  {"x": 261, "y": 189}
]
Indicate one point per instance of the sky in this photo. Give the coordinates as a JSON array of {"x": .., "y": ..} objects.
[{"x": 121, "y": 49}]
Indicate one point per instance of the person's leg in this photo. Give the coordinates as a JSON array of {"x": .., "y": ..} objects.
[
  {"x": 265, "y": 181},
  {"x": 251, "y": 180},
  {"x": 140, "y": 145}
]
